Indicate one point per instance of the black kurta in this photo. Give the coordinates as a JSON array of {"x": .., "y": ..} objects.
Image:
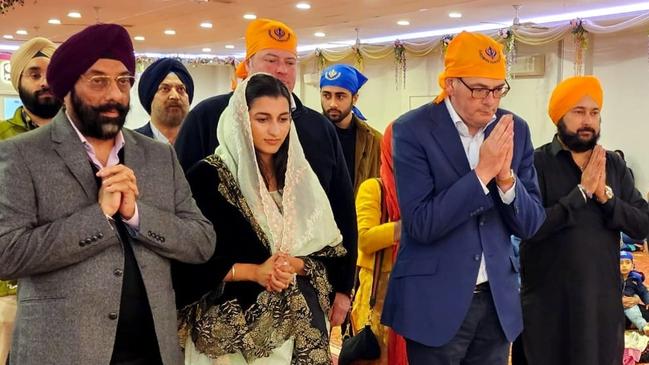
[{"x": 570, "y": 270}]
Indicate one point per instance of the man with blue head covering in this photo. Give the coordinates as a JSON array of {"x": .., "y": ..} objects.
[
  {"x": 339, "y": 85},
  {"x": 166, "y": 90}
]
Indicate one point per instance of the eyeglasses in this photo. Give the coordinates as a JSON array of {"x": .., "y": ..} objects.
[
  {"x": 102, "y": 82},
  {"x": 482, "y": 92}
]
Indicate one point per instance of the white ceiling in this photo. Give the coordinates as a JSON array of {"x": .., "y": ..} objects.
[{"x": 337, "y": 18}]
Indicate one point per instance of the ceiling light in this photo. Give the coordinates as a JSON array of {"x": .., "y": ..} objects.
[
  {"x": 54, "y": 21},
  {"x": 74, "y": 14},
  {"x": 206, "y": 25},
  {"x": 249, "y": 16},
  {"x": 454, "y": 14},
  {"x": 8, "y": 36},
  {"x": 303, "y": 6},
  {"x": 170, "y": 32},
  {"x": 319, "y": 34},
  {"x": 21, "y": 32},
  {"x": 139, "y": 38},
  {"x": 403, "y": 22},
  {"x": 229, "y": 46},
  {"x": 206, "y": 50}
]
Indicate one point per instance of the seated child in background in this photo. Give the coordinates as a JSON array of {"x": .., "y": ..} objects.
[
  {"x": 632, "y": 286},
  {"x": 629, "y": 244}
]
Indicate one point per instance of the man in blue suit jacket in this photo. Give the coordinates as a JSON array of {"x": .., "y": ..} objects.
[{"x": 465, "y": 182}]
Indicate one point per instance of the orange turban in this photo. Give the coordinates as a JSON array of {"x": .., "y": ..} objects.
[
  {"x": 472, "y": 55},
  {"x": 264, "y": 34},
  {"x": 570, "y": 91}
]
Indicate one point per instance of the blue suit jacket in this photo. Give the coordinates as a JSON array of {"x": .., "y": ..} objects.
[
  {"x": 447, "y": 222},
  {"x": 146, "y": 130}
]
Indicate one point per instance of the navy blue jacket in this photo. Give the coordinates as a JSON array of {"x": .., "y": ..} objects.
[{"x": 448, "y": 222}]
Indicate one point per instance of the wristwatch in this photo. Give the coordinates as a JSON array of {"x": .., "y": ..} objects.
[{"x": 508, "y": 180}]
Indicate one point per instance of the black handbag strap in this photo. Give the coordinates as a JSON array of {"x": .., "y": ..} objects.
[{"x": 378, "y": 257}]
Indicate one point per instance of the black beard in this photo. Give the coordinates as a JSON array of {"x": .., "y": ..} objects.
[
  {"x": 46, "y": 108},
  {"x": 92, "y": 124},
  {"x": 342, "y": 115},
  {"x": 572, "y": 140}
]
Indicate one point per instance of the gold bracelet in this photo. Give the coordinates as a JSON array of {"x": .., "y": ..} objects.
[{"x": 233, "y": 271}]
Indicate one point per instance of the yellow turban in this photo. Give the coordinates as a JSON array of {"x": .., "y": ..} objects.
[
  {"x": 570, "y": 91},
  {"x": 472, "y": 55},
  {"x": 25, "y": 53},
  {"x": 264, "y": 34}
]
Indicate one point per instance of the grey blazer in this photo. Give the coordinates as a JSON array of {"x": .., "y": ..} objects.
[{"x": 55, "y": 239}]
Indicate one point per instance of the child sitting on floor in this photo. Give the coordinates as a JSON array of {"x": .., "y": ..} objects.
[{"x": 632, "y": 286}]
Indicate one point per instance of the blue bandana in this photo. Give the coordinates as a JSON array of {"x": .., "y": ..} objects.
[
  {"x": 625, "y": 255},
  {"x": 346, "y": 77}
]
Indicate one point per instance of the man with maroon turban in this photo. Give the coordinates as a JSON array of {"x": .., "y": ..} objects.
[{"x": 89, "y": 226}]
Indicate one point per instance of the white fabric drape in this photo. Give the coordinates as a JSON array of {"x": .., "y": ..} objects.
[{"x": 306, "y": 223}]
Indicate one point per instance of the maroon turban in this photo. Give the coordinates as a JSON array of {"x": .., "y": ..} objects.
[{"x": 76, "y": 55}]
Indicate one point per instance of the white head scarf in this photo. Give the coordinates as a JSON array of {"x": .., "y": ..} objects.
[{"x": 306, "y": 223}]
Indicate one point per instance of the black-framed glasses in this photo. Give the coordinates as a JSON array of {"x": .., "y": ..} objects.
[
  {"x": 483, "y": 92},
  {"x": 102, "y": 82}
]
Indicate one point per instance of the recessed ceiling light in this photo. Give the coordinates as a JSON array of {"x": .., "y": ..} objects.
[
  {"x": 8, "y": 36},
  {"x": 21, "y": 32},
  {"x": 206, "y": 49},
  {"x": 319, "y": 34},
  {"x": 454, "y": 14},
  {"x": 139, "y": 38},
  {"x": 403, "y": 22},
  {"x": 229, "y": 46},
  {"x": 54, "y": 21},
  {"x": 170, "y": 32},
  {"x": 303, "y": 6},
  {"x": 249, "y": 16},
  {"x": 74, "y": 14},
  {"x": 206, "y": 25}
]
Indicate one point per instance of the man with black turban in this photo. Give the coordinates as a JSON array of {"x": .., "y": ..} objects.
[
  {"x": 89, "y": 243},
  {"x": 166, "y": 89}
]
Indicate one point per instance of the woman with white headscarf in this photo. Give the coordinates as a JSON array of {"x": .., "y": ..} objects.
[{"x": 263, "y": 297}]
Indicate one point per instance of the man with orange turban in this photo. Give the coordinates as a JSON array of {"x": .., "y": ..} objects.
[
  {"x": 572, "y": 306},
  {"x": 466, "y": 182},
  {"x": 271, "y": 47}
]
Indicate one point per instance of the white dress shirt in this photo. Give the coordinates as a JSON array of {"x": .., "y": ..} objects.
[{"x": 471, "y": 145}]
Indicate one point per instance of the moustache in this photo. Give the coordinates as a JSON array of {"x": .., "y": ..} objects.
[
  {"x": 45, "y": 90},
  {"x": 586, "y": 129},
  {"x": 111, "y": 106}
]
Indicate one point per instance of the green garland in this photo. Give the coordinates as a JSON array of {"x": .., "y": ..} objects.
[{"x": 6, "y": 5}]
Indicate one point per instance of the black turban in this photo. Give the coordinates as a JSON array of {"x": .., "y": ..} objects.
[{"x": 158, "y": 71}]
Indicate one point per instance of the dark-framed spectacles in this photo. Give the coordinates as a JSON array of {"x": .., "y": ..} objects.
[
  {"x": 483, "y": 92},
  {"x": 102, "y": 82}
]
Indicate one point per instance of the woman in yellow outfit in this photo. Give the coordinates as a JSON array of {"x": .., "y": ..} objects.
[{"x": 379, "y": 229}]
